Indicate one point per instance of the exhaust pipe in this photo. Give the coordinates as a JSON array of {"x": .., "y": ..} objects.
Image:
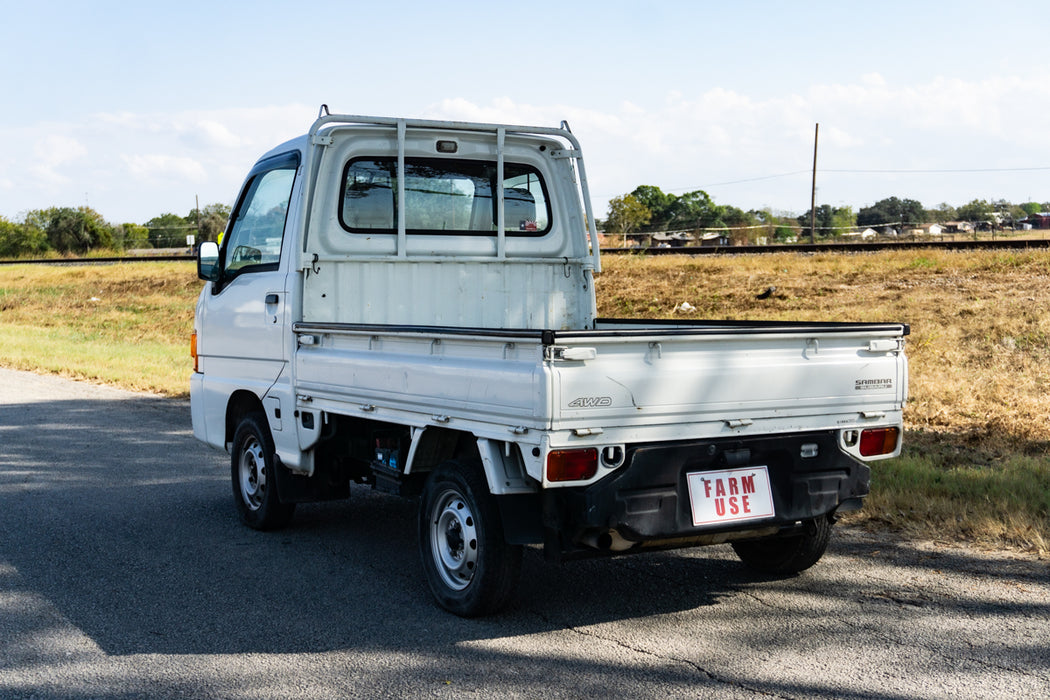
[{"x": 608, "y": 541}]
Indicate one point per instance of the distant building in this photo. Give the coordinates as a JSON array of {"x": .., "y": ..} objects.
[
  {"x": 866, "y": 233},
  {"x": 926, "y": 230},
  {"x": 1040, "y": 220},
  {"x": 957, "y": 227},
  {"x": 676, "y": 239},
  {"x": 714, "y": 238}
]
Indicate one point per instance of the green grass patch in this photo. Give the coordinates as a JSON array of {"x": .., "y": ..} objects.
[
  {"x": 127, "y": 325},
  {"x": 143, "y": 365},
  {"x": 935, "y": 490}
]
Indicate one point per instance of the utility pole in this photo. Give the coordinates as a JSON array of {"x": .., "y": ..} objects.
[{"x": 813, "y": 192}]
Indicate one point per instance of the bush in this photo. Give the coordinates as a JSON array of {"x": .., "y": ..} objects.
[{"x": 17, "y": 240}]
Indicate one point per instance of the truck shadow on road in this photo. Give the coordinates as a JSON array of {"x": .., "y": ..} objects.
[
  {"x": 116, "y": 518},
  {"x": 119, "y": 519}
]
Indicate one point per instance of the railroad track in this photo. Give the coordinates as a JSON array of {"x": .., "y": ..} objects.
[
  {"x": 102, "y": 261},
  {"x": 1002, "y": 244}
]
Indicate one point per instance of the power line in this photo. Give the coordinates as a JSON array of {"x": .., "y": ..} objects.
[
  {"x": 949, "y": 170},
  {"x": 859, "y": 171},
  {"x": 737, "y": 182}
]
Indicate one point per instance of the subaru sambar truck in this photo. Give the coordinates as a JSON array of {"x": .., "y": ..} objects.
[{"x": 409, "y": 304}]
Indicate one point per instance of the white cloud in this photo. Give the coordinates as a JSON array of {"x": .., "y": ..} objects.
[
  {"x": 159, "y": 166},
  {"x": 56, "y": 149},
  {"x": 873, "y": 80},
  {"x": 52, "y": 156},
  {"x": 219, "y": 134},
  {"x": 735, "y": 144},
  {"x": 132, "y": 166}
]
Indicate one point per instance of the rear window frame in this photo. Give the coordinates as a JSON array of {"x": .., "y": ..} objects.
[{"x": 425, "y": 160}]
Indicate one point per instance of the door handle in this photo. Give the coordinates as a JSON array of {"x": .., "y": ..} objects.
[{"x": 272, "y": 298}]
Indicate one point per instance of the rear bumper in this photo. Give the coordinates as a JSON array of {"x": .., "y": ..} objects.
[{"x": 647, "y": 500}]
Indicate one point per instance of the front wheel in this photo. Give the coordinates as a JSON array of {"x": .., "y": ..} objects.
[
  {"x": 253, "y": 473},
  {"x": 470, "y": 568},
  {"x": 786, "y": 555}
]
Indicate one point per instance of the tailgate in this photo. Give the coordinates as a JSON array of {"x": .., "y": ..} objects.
[{"x": 786, "y": 377}]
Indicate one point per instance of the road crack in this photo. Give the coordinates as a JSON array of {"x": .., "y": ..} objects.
[{"x": 710, "y": 675}]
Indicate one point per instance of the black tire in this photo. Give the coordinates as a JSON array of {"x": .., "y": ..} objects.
[
  {"x": 786, "y": 555},
  {"x": 470, "y": 568},
  {"x": 253, "y": 475}
]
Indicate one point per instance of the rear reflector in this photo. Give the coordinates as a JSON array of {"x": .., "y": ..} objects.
[
  {"x": 572, "y": 465},
  {"x": 879, "y": 441}
]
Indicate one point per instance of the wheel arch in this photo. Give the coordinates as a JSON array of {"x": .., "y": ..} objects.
[
  {"x": 241, "y": 403},
  {"x": 501, "y": 461},
  {"x": 432, "y": 446},
  {"x": 517, "y": 497}
]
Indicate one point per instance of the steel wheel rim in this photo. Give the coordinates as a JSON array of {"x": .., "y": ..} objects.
[
  {"x": 252, "y": 471},
  {"x": 454, "y": 540}
]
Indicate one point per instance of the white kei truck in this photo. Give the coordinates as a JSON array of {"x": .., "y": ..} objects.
[{"x": 410, "y": 304}]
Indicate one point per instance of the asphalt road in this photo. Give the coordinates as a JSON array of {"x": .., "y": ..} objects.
[{"x": 124, "y": 573}]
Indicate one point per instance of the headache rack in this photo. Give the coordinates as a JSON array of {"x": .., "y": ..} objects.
[{"x": 319, "y": 141}]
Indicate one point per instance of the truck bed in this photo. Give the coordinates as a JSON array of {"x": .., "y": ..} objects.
[{"x": 649, "y": 380}]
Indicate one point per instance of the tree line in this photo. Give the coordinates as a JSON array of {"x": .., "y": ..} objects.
[
  {"x": 648, "y": 209},
  {"x": 78, "y": 230}
]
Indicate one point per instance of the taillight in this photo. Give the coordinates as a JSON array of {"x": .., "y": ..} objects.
[
  {"x": 193, "y": 351},
  {"x": 878, "y": 441},
  {"x": 572, "y": 465}
]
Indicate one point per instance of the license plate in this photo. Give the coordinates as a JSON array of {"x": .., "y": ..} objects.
[{"x": 729, "y": 496}]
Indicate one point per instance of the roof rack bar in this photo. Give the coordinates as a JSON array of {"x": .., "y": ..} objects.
[
  {"x": 402, "y": 227},
  {"x": 501, "y": 203},
  {"x": 563, "y": 132},
  {"x": 439, "y": 124},
  {"x": 592, "y": 230}
]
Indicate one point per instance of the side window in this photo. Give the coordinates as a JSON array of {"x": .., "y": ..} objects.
[
  {"x": 257, "y": 227},
  {"x": 524, "y": 200},
  {"x": 368, "y": 198}
]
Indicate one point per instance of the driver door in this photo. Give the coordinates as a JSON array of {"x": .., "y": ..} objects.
[{"x": 243, "y": 325}]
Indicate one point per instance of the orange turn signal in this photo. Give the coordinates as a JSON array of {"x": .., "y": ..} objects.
[
  {"x": 193, "y": 350},
  {"x": 572, "y": 465},
  {"x": 879, "y": 441}
]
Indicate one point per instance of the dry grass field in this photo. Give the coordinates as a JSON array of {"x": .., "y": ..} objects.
[
  {"x": 976, "y": 465},
  {"x": 977, "y": 456},
  {"x": 980, "y": 321}
]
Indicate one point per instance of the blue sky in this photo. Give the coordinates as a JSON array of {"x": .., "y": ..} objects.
[{"x": 135, "y": 108}]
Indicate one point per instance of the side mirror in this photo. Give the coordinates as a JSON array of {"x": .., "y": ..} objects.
[{"x": 208, "y": 262}]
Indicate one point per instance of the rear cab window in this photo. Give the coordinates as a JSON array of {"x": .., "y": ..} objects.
[{"x": 443, "y": 197}]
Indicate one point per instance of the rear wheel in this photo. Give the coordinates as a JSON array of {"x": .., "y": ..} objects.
[
  {"x": 469, "y": 566},
  {"x": 253, "y": 475},
  {"x": 786, "y": 555}
]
